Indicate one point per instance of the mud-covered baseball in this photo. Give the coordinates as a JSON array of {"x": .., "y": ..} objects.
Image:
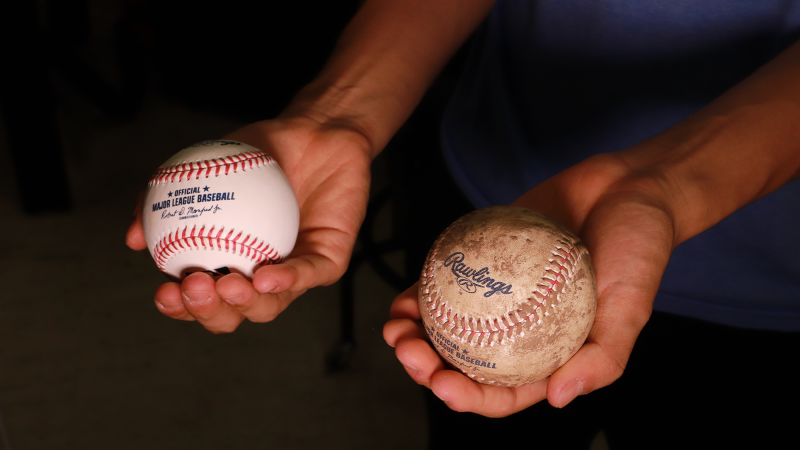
[
  {"x": 507, "y": 295},
  {"x": 220, "y": 207}
]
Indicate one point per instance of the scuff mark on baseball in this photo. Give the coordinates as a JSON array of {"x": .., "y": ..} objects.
[{"x": 507, "y": 295}]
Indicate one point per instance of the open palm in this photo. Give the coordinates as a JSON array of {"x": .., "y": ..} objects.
[
  {"x": 629, "y": 233},
  {"x": 328, "y": 168}
]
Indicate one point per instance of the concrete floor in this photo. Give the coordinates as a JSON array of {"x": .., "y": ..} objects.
[{"x": 87, "y": 362}]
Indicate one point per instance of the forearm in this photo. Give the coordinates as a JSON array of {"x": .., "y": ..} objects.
[
  {"x": 737, "y": 149},
  {"x": 384, "y": 61}
]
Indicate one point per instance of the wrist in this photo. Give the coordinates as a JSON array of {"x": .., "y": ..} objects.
[
  {"x": 331, "y": 106},
  {"x": 383, "y": 63},
  {"x": 708, "y": 166}
]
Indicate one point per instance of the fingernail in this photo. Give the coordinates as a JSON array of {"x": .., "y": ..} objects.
[
  {"x": 196, "y": 297},
  {"x": 273, "y": 290},
  {"x": 233, "y": 300},
  {"x": 571, "y": 391},
  {"x": 411, "y": 369},
  {"x": 264, "y": 286}
]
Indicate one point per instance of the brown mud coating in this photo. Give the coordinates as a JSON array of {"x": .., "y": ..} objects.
[{"x": 507, "y": 295}]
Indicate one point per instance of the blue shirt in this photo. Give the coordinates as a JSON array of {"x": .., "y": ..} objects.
[{"x": 552, "y": 82}]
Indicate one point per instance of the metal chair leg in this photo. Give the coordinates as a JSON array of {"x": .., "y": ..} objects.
[{"x": 339, "y": 357}]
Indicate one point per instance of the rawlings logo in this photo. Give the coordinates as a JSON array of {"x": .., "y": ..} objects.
[{"x": 470, "y": 279}]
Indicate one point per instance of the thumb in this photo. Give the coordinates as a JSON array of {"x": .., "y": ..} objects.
[
  {"x": 630, "y": 249},
  {"x": 135, "y": 235}
]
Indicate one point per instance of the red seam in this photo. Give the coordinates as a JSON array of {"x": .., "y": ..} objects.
[
  {"x": 509, "y": 323},
  {"x": 437, "y": 311},
  {"x": 234, "y": 163},
  {"x": 168, "y": 246}
]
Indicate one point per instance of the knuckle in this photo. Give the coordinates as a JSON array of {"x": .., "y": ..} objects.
[
  {"x": 203, "y": 313},
  {"x": 224, "y": 327},
  {"x": 264, "y": 317},
  {"x": 237, "y": 301}
]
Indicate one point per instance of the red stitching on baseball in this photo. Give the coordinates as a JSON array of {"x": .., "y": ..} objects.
[
  {"x": 494, "y": 328},
  {"x": 179, "y": 240},
  {"x": 230, "y": 164},
  {"x": 548, "y": 289}
]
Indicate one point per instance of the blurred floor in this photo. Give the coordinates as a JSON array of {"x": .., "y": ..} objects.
[{"x": 87, "y": 362}]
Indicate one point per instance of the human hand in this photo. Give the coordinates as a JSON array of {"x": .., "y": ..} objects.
[
  {"x": 630, "y": 234},
  {"x": 631, "y": 208},
  {"x": 328, "y": 167}
]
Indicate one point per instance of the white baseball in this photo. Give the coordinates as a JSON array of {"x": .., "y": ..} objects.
[{"x": 221, "y": 207}]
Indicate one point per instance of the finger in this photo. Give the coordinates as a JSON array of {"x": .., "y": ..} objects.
[
  {"x": 399, "y": 329},
  {"x": 462, "y": 394},
  {"x": 319, "y": 258},
  {"x": 274, "y": 278},
  {"x": 168, "y": 300},
  {"x": 602, "y": 360},
  {"x": 406, "y": 305},
  {"x": 135, "y": 235},
  {"x": 296, "y": 274},
  {"x": 630, "y": 247},
  {"x": 588, "y": 370},
  {"x": 239, "y": 293},
  {"x": 419, "y": 359},
  {"x": 201, "y": 300}
]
